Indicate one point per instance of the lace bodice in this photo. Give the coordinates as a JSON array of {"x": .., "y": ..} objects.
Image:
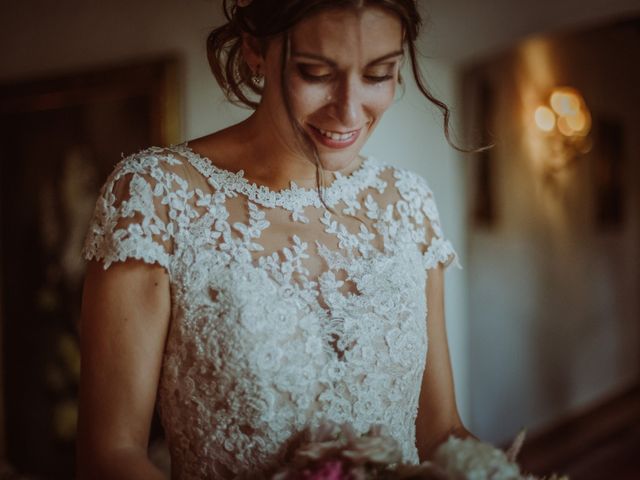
[{"x": 284, "y": 314}]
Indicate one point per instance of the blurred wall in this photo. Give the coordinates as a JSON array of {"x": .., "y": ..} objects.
[
  {"x": 462, "y": 31},
  {"x": 43, "y": 38},
  {"x": 554, "y": 305}
]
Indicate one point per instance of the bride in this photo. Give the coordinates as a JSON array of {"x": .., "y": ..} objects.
[{"x": 266, "y": 278}]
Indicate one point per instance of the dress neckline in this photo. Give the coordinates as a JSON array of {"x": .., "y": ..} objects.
[{"x": 343, "y": 187}]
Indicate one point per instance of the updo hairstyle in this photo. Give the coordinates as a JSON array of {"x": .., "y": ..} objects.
[{"x": 267, "y": 19}]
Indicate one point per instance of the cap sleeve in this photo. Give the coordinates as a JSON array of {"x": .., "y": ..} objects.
[
  {"x": 131, "y": 219},
  {"x": 424, "y": 212},
  {"x": 439, "y": 250}
]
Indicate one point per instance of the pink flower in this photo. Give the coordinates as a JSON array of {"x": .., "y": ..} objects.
[{"x": 331, "y": 470}]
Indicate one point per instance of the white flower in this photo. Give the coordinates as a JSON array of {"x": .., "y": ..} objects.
[{"x": 472, "y": 459}]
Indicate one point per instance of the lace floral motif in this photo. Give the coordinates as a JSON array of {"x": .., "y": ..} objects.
[{"x": 284, "y": 315}]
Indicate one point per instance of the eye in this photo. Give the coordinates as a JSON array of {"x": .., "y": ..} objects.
[
  {"x": 314, "y": 73},
  {"x": 378, "y": 78},
  {"x": 380, "y": 74}
]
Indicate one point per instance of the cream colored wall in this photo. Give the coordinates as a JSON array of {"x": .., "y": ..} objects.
[
  {"x": 554, "y": 309},
  {"x": 42, "y": 38}
]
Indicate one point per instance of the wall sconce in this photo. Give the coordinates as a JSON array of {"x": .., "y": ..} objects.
[{"x": 565, "y": 123}]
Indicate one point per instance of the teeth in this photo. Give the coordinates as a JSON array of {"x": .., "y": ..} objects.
[{"x": 339, "y": 137}]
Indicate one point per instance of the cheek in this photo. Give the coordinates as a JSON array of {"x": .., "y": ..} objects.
[
  {"x": 307, "y": 98},
  {"x": 381, "y": 97}
]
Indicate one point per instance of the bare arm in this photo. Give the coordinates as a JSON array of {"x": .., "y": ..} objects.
[
  {"x": 437, "y": 410},
  {"x": 125, "y": 317}
]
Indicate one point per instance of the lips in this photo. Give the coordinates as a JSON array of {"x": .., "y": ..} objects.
[
  {"x": 334, "y": 139},
  {"x": 338, "y": 137}
]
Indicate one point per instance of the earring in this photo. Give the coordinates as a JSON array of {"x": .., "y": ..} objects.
[{"x": 257, "y": 76}]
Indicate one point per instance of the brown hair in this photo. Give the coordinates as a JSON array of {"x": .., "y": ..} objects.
[{"x": 266, "y": 19}]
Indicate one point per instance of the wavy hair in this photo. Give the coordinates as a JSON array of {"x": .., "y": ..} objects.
[{"x": 268, "y": 19}]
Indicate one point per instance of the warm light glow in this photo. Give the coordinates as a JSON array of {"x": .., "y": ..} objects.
[
  {"x": 565, "y": 101},
  {"x": 574, "y": 118},
  {"x": 566, "y": 122},
  {"x": 545, "y": 119},
  {"x": 585, "y": 126},
  {"x": 564, "y": 128},
  {"x": 577, "y": 122}
]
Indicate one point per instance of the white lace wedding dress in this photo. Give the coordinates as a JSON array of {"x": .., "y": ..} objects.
[{"x": 283, "y": 313}]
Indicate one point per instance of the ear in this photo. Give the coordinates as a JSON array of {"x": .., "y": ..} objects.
[{"x": 252, "y": 53}]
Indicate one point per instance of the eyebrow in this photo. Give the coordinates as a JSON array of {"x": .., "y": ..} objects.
[{"x": 322, "y": 58}]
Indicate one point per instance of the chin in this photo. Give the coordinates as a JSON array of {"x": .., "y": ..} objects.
[
  {"x": 336, "y": 161},
  {"x": 338, "y": 153}
]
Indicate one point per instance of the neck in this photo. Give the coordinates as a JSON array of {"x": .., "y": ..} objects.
[
  {"x": 258, "y": 148},
  {"x": 268, "y": 159}
]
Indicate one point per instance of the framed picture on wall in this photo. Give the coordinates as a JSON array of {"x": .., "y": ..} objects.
[
  {"x": 609, "y": 160},
  {"x": 484, "y": 175},
  {"x": 61, "y": 137}
]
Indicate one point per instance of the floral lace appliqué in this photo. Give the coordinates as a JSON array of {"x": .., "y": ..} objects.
[{"x": 277, "y": 327}]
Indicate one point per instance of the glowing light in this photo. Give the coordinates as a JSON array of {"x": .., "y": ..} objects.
[
  {"x": 545, "y": 119},
  {"x": 584, "y": 122},
  {"x": 566, "y": 122},
  {"x": 574, "y": 117},
  {"x": 564, "y": 128},
  {"x": 565, "y": 101},
  {"x": 577, "y": 122}
]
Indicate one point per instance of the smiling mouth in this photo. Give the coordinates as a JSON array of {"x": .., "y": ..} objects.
[
  {"x": 337, "y": 136},
  {"x": 333, "y": 139}
]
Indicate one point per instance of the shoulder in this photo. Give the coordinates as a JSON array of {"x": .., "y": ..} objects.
[
  {"x": 404, "y": 179},
  {"x": 411, "y": 189},
  {"x": 416, "y": 201},
  {"x": 409, "y": 185},
  {"x": 152, "y": 161},
  {"x": 150, "y": 182},
  {"x": 155, "y": 169}
]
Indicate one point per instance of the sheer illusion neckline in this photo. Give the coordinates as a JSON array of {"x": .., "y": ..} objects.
[
  {"x": 277, "y": 327},
  {"x": 343, "y": 187}
]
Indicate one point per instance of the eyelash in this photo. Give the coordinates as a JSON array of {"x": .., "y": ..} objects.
[
  {"x": 325, "y": 78},
  {"x": 381, "y": 79}
]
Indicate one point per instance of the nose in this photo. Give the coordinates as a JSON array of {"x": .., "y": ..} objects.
[{"x": 348, "y": 103}]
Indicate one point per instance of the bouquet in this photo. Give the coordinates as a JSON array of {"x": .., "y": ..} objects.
[{"x": 336, "y": 452}]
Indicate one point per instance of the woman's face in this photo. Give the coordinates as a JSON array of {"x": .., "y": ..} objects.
[{"x": 342, "y": 77}]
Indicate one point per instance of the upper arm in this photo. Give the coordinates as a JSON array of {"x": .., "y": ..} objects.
[
  {"x": 125, "y": 318},
  {"x": 437, "y": 410},
  {"x": 126, "y": 306},
  {"x": 438, "y": 415}
]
